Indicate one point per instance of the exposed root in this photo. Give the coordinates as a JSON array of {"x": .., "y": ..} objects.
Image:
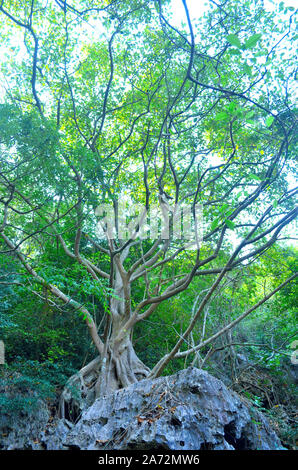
[
  {"x": 79, "y": 391},
  {"x": 96, "y": 379},
  {"x": 123, "y": 369}
]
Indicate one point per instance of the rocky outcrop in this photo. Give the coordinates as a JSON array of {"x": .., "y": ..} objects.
[
  {"x": 189, "y": 410},
  {"x": 22, "y": 429}
]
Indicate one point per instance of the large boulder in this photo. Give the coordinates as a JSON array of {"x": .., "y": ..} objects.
[{"x": 189, "y": 410}]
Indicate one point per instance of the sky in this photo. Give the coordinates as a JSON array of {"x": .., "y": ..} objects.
[{"x": 197, "y": 7}]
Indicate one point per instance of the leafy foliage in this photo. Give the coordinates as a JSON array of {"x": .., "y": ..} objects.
[{"x": 24, "y": 382}]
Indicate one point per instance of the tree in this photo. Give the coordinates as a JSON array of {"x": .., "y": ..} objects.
[{"x": 110, "y": 98}]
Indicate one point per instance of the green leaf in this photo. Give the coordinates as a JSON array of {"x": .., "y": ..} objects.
[
  {"x": 250, "y": 114},
  {"x": 248, "y": 70},
  {"x": 235, "y": 52},
  {"x": 221, "y": 116},
  {"x": 252, "y": 41},
  {"x": 214, "y": 224},
  {"x": 269, "y": 121},
  {"x": 230, "y": 224},
  {"x": 223, "y": 208},
  {"x": 234, "y": 40},
  {"x": 232, "y": 106},
  {"x": 254, "y": 177}
]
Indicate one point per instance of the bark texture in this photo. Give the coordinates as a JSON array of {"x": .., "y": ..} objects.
[{"x": 119, "y": 368}]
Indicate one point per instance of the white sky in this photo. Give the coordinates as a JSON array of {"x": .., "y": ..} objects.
[{"x": 197, "y": 7}]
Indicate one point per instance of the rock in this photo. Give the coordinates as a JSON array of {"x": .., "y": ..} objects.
[
  {"x": 22, "y": 430},
  {"x": 293, "y": 373},
  {"x": 55, "y": 434},
  {"x": 189, "y": 410}
]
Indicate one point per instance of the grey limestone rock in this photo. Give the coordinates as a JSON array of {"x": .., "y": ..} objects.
[
  {"x": 189, "y": 410},
  {"x": 22, "y": 430}
]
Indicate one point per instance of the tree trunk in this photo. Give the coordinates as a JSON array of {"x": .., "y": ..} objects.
[
  {"x": 119, "y": 368},
  {"x": 120, "y": 364}
]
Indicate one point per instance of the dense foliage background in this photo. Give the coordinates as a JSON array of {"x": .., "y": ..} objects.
[
  {"x": 144, "y": 110},
  {"x": 44, "y": 346}
]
